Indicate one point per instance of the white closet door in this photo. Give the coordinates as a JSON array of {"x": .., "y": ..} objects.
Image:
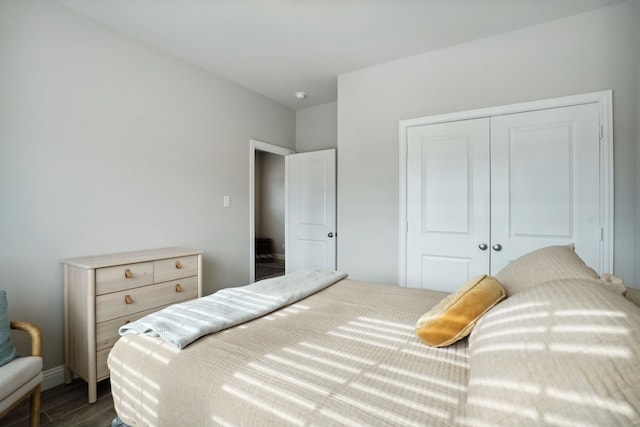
[
  {"x": 447, "y": 203},
  {"x": 545, "y": 184}
]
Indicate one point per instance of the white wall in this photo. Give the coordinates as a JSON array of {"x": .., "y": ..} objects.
[
  {"x": 583, "y": 53},
  {"x": 317, "y": 128},
  {"x": 109, "y": 145}
]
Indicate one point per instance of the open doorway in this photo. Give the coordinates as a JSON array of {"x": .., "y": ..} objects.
[{"x": 267, "y": 210}]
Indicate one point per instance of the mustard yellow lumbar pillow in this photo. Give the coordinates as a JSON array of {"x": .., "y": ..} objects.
[{"x": 453, "y": 318}]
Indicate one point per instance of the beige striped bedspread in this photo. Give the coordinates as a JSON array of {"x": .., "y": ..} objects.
[
  {"x": 563, "y": 353},
  {"x": 345, "y": 356}
]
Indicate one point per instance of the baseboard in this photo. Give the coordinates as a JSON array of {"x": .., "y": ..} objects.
[{"x": 52, "y": 377}]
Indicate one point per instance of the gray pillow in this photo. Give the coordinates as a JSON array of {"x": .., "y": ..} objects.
[
  {"x": 543, "y": 265},
  {"x": 7, "y": 349}
]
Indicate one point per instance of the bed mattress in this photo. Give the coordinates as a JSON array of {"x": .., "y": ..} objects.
[{"x": 347, "y": 355}]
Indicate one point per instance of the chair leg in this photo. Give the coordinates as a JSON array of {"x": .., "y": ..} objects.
[{"x": 34, "y": 414}]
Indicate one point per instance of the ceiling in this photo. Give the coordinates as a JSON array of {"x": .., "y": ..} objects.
[{"x": 280, "y": 47}]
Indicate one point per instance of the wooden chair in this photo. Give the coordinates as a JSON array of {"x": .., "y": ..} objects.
[{"x": 22, "y": 377}]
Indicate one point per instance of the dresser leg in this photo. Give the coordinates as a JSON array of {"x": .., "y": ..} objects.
[
  {"x": 68, "y": 375},
  {"x": 93, "y": 392}
]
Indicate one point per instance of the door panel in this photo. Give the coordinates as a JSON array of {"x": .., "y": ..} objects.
[
  {"x": 541, "y": 183},
  {"x": 311, "y": 224},
  {"x": 446, "y": 208},
  {"x": 545, "y": 182},
  {"x": 312, "y": 185},
  {"x": 447, "y": 272},
  {"x": 312, "y": 254},
  {"x": 447, "y": 203}
]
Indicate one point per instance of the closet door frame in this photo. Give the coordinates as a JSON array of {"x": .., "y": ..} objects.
[{"x": 604, "y": 101}]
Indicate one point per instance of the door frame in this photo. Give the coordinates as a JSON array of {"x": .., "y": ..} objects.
[
  {"x": 256, "y": 145},
  {"x": 603, "y": 99}
]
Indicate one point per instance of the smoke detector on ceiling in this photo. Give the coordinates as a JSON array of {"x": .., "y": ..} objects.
[{"x": 301, "y": 95}]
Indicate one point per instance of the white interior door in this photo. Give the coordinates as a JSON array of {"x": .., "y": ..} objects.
[
  {"x": 448, "y": 194},
  {"x": 545, "y": 183},
  {"x": 311, "y": 212}
]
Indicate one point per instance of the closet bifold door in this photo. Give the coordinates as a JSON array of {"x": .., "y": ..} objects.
[
  {"x": 448, "y": 196},
  {"x": 545, "y": 183}
]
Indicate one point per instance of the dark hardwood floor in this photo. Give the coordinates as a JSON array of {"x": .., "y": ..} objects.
[
  {"x": 66, "y": 406},
  {"x": 267, "y": 270}
]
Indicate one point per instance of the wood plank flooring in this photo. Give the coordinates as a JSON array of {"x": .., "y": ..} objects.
[
  {"x": 66, "y": 406},
  {"x": 267, "y": 270}
]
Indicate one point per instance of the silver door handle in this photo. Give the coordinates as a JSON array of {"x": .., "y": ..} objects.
[
  {"x": 330, "y": 235},
  {"x": 497, "y": 247},
  {"x": 483, "y": 246}
]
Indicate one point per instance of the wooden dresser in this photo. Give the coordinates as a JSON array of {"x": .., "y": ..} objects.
[{"x": 104, "y": 292}]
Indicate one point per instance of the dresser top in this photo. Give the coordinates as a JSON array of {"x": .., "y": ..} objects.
[{"x": 106, "y": 260}]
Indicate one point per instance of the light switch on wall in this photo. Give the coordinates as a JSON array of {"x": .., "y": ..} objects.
[{"x": 226, "y": 201}]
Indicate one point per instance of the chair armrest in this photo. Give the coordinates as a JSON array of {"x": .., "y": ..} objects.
[{"x": 34, "y": 333}]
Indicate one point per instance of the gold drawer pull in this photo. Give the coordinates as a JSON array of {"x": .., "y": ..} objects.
[
  {"x": 128, "y": 274},
  {"x": 128, "y": 299},
  {"x": 178, "y": 288},
  {"x": 178, "y": 265}
]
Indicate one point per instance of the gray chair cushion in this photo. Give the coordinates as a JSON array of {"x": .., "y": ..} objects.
[
  {"x": 7, "y": 349},
  {"x": 19, "y": 372}
]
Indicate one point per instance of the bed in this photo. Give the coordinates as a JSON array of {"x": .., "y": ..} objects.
[
  {"x": 562, "y": 349},
  {"x": 347, "y": 355}
]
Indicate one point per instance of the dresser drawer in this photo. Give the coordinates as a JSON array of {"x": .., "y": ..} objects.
[
  {"x": 128, "y": 302},
  {"x": 175, "y": 268},
  {"x": 107, "y": 332},
  {"x": 120, "y": 277},
  {"x": 102, "y": 369}
]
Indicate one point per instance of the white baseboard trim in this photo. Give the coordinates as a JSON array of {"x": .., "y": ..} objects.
[{"x": 52, "y": 377}]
